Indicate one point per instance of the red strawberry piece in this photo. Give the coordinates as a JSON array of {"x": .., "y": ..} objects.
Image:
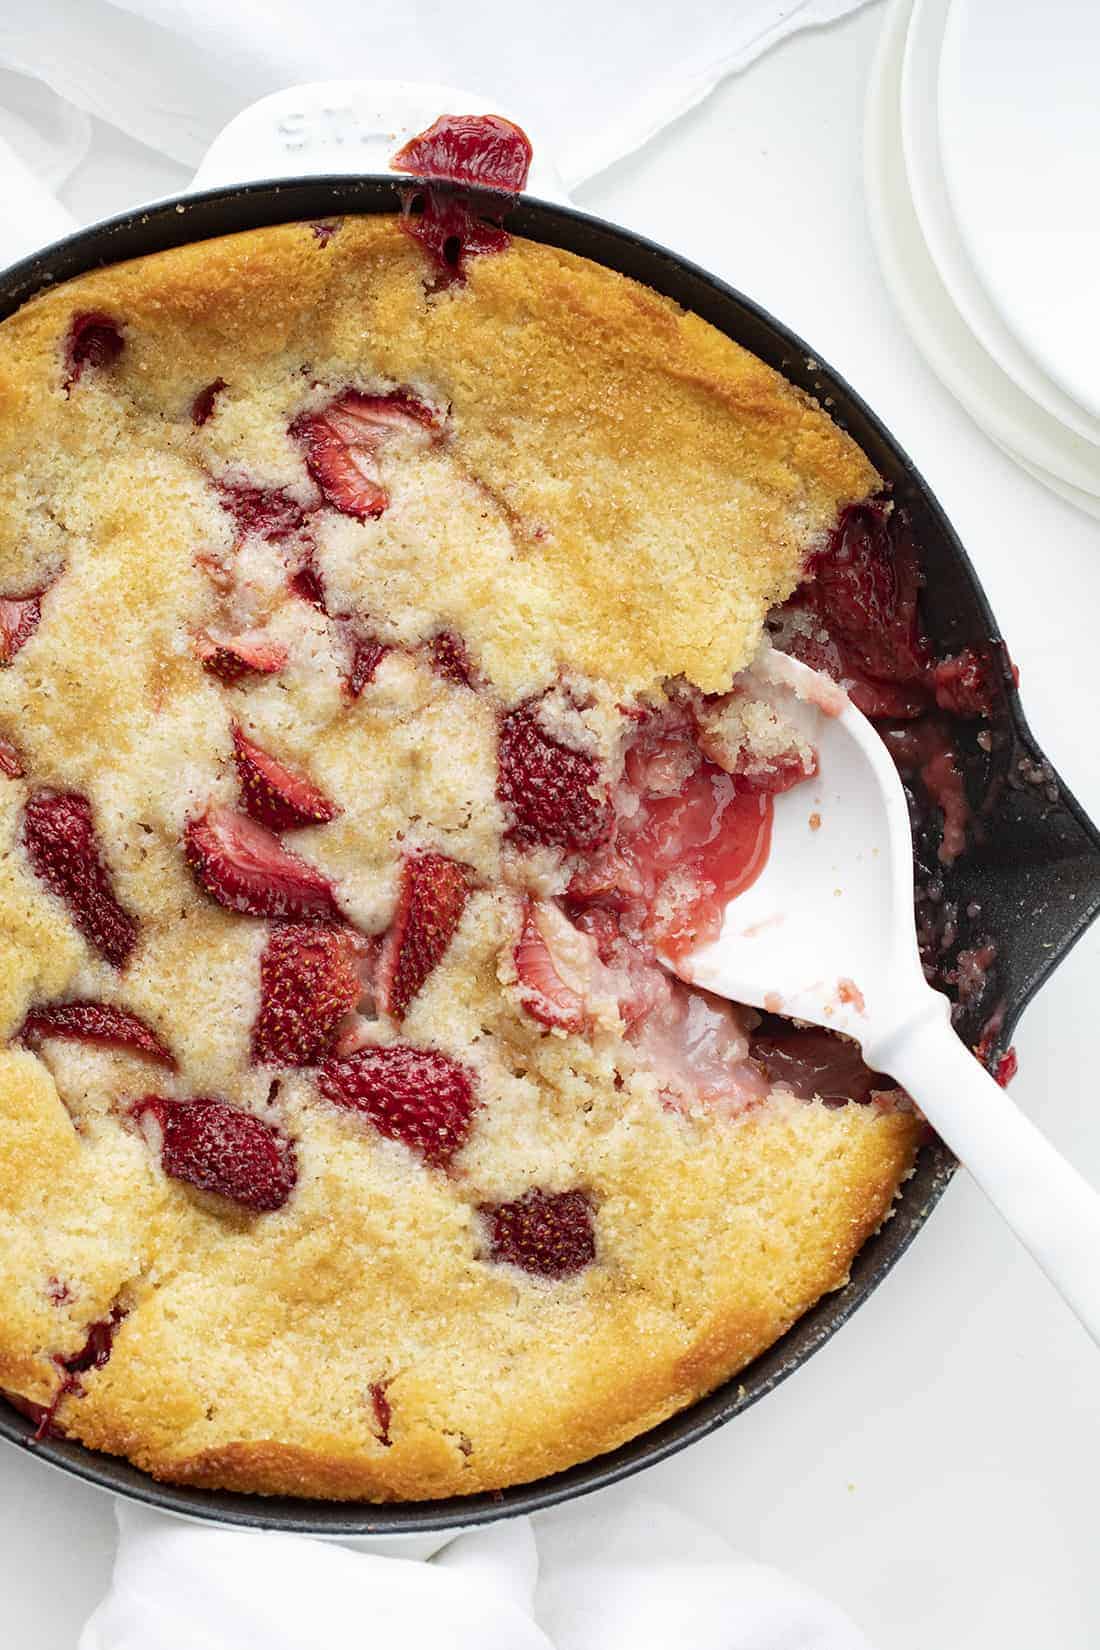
[
  {"x": 547, "y": 788},
  {"x": 275, "y": 795},
  {"x": 449, "y": 658},
  {"x": 414, "y": 1095},
  {"x": 97, "y": 1347},
  {"x": 450, "y": 231},
  {"x": 1006, "y": 1068},
  {"x": 308, "y": 585},
  {"x": 548, "y": 1233},
  {"x": 383, "y": 1411},
  {"x": 481, "y": 149},
  {"x": 220, "y": 1149},
  {"x": 245, "y": 868},
  {"x": 549, "y": 987},
  {"x": 202, "y": 406},
  {"x": 94, "y": 340},
  {"x": 341, "y": 444},
  {"x": 11, "y": 763},
  {"x": 367, "y": 653},
  {"x": 91, "y": 1022},
  {"x": 19, "y": 616},
  {"x": 432, "y": 898},
  {"x": 252, "y": 653},
  {"x": 309, "y": 980},
  {"x": 966, "y": 684},
  {"x": 60, "y": 838},
  {"x": 265, "y": 511}
]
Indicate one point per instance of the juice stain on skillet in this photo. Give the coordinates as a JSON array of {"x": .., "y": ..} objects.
[
  {"x": 856, "y": 616},
  {"x": 485, "y": 150}
]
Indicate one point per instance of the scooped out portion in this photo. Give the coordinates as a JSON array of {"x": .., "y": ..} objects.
[{"x": 383, "y": 694}]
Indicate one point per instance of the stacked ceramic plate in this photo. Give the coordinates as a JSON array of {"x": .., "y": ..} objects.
[{"x": 983, "y": 188}]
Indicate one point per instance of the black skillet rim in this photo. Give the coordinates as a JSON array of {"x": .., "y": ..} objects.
[{"x": 227, "y": 210}]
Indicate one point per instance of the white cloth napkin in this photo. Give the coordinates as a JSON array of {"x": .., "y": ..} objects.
[
  {"x": 643, "y": 1578},
  {"x": 596, "y": 77}
]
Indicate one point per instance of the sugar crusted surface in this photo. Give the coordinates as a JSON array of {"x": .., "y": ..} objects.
[{"x": 621, "y": 495}]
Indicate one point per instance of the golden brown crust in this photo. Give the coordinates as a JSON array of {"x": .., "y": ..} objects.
[{"x": 626, "y": 493}]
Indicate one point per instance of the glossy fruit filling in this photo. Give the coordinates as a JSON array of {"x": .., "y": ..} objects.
[
  {"x": 857, "y": 617},
  {"x": 483, "y": 150}
]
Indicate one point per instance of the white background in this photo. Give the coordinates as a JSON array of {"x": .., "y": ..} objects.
[{"x": 933, "y": 1469}]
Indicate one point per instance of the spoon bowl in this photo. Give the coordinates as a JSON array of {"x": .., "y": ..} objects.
[{"x": 826, "y": 934}]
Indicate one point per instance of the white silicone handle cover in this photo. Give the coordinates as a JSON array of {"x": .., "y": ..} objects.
[{"x": 347, "y": 127}]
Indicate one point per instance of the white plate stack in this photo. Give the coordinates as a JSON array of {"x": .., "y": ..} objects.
[{"x": 983, "y": 189}]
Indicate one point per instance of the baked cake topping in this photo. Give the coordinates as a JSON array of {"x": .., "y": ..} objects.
[{"x": 433, "y": 716}]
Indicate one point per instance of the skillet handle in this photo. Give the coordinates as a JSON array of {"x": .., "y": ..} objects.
[{"x": 331, "y": 127}]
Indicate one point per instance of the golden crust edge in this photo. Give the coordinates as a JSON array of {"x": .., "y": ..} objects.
[{"x": 422, "y": 1466}]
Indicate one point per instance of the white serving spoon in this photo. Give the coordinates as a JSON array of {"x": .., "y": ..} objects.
[{"x": 827, "y": 934}]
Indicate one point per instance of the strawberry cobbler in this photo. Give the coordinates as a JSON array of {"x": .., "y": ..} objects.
[{"x": 382, "y": 700}]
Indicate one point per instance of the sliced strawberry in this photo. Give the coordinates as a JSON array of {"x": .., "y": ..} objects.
[
  {"x": 309, "y": 980},
  {"x": 245, "y": 868},
  {"x": 367, "y": 653},
  {"x": 432, "y": 898},
  {"x": 550, "y": 957},
  {"x": 449, "y": 658},
  {"x": 265, "y": 511},
  {"x": 91, "y": 1022},
  {"x": 93, "y": 340},
  {"x": 308, "y": 585},
  {"x": 548, "y": 1233},
  {"x": 60, "y": 838},
  {"x": 220, "y": 1149},
  {"x": 548, "y": 788},
  {"x": 481, "y": 149},
  {"x": 19, "y": 616},
  {"x": 451, "y": 232},
  {"x": 252, "y": 653},
  {"x": 202, "y": 407},
  {"x": 11, "y": 763},
  {"x": 341, "y": 444},
  {"x": 967, "y": 684},
  {"x": 275, "y": 795},
  {"x": 410, "y": 1094}
]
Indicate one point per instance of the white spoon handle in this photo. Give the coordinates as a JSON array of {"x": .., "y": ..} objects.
[{"x": 1051, "y": 1207}]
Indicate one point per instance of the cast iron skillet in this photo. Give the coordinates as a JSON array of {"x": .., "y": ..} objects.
[{"x": 1036, "y": 874}]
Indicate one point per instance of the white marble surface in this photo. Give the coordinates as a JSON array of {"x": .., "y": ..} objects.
[{"x": 933, "y": 1468}]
